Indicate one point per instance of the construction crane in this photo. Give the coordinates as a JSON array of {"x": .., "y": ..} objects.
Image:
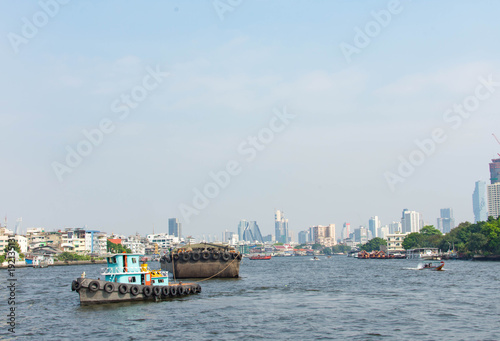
[{"x": 496, "y": 138}]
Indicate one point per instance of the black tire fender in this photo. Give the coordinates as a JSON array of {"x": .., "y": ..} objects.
[
  {"x": 205, "y": 255},
  {"x": 186, "y": 256},
  {"x": 181, "y": 290},
  {"x": 165, "y": 291},
  {"x": 74, "y": 284},
  {"x": 122, "y": 288},
  {"x": 134, "y": 290},
  {"x": 109, "y": 287},
  {"x": 94, "y": 286},
  {"x": 147, "y": 291},
  {"x": 226, "y": 256},
  {"x": 173, "y": 291},
  {"x": 215, "y": 255},
  {"x": 195, "y": 256},
  {"x": 157, "y": 291}
]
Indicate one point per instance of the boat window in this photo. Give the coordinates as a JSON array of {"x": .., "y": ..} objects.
[
  {"x": 160, "y": 281},
  {"x": 111, "y": 260},
  {"x": 134, "y": 260},
  {"x": 131, "y": 279}
]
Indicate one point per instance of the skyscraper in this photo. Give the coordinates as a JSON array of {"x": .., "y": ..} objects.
[
  {"x": 324, "y": 235},
  {"x": 374, "y": 225},
  {"x": 479, "y": 203},
  {"x": 242, "y": 225},
  {"x": 303, "y": 237},
  {"x": 494, "y": 200},
  {"x": 251, "y": 233},
  {"x": 174, "y": 227},
  {"x": 345, "y": 231},
  {"x": 494, "y": 171},
  {"x": 411, "y": 221},
  {"x": 281, "y": 227},
  {"x": 446, "y": 222}
]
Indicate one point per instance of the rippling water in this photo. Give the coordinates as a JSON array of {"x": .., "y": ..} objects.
[{"x": 278, "y": 299}]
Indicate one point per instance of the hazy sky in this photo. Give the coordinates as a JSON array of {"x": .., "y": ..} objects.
[{"x": 307, "y": 106}]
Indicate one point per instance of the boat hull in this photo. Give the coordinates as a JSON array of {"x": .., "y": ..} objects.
[
  {"x": 202, "y": 264},
  {"x": 99, "y": 295}
]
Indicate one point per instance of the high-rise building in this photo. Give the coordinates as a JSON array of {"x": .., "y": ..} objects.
[
  {"x": 242, "y": 225},
  {"x": 394, "y": 227},
  {"x": 411, "y": 221},
  {"x": 494, "y": 200},
  {"x": 324, "y": 235},
  {"x": 494, "y": 171},
  {"x": 251, "y": 233},
  {"x": 345, "y": 231},
  {"x": 174, "y": 227},
  {"x": 374, "y": 225},
  {"x": 281, "y": 227},
  {"x": 361, "y": 235},
  {"x": 446, "y": 222},
  {"x": 479, "y": 202},
  {"x": 304, "y": 237}
]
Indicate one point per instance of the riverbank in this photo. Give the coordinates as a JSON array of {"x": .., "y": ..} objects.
[{"x": 57, "y": 263}]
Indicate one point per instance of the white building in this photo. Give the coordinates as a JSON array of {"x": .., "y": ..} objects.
[
  {"x": 411, "y": 221},
  {"x": 494, "y": 200},
  {"x": 135, "y": 244},
  {"x": 383, "y": 232},
  {"x": 395, "y": 241},
  {"x": 163, "y": 240}
]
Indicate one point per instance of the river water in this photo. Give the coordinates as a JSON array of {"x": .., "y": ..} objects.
[{"x": 292, "y": 298}]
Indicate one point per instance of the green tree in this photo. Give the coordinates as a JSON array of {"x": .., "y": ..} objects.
[
  {"x": 373, "y": 244},
  {"x": 412, "y": 241},
  {"x": 429, "y": 230},
  {"x": 327, "y": 251},
  {"x": 317, "y": 246},
  {"x": 476, "y": 242}
]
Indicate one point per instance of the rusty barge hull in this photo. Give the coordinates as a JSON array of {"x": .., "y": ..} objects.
[{"x": 204, "y": 269}]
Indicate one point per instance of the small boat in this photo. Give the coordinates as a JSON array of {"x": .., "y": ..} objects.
[
  {"x": 315, "y": 258},
  {"x": 259, "y": 257},
  {"x": 127, "y": 280},
  {"x": 433, "y": 266}
]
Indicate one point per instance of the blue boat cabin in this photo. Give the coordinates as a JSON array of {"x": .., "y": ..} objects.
[{"x": 126, "y": 268}]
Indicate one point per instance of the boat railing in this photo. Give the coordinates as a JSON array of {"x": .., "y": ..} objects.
[{"x": 118, "y": 270}]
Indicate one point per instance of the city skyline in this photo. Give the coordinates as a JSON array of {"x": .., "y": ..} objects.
[{"x": 333, "y": 112}]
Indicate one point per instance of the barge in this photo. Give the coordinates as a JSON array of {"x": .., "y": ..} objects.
[
  {"x": 202, "y": 261},
  {"x": 127, "y": 280}
]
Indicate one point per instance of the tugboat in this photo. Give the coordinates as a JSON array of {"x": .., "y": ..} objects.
[
  {"x": 127, "y": 280},
  {"x": 202, "y": 261}
]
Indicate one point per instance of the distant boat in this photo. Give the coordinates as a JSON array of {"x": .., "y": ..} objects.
[
  {"x": 260, "y": 257},
  {"x": 315, "y": 258},
  {"x": 433, "y": 266}
]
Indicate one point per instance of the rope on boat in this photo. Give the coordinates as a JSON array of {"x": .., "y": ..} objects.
[{"x": 206, "y": 279}]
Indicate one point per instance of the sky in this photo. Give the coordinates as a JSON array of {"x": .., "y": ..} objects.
[{"x": 119, "y": 115}]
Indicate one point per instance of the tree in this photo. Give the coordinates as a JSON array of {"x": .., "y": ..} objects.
[
  {"x": 476, "y": 242},
  {"x": 373, "y": 244},
  {"x": 412, "y": 241},
  {"x": 317, "y": 246},
  {"x": 429, "y": 230},
  {"x": 327, "y": 251}
]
